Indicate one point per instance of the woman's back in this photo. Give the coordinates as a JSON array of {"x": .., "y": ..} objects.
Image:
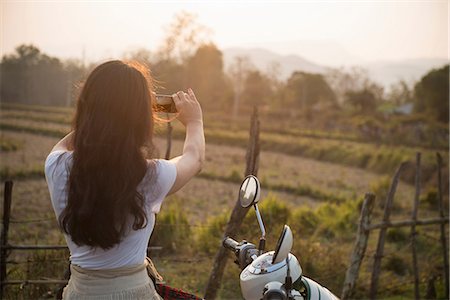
[
  {"x": 104, "y": 189},
  {"x": 132, "y": 249}
]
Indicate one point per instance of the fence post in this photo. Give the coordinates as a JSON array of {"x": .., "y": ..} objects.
[
  {"x": 382, "y": 235},
  {"x": 413, "y": 229},
  {"x": 359, "y": 249},
  {"x": 4, "y": 238},
  {"x": 169, "y": 139},
  {"x": 238, "y": 213},
  {"x": 441, "y": 214}
]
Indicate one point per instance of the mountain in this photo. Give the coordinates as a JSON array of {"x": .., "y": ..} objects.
[
  {"x": 409, "y": 70},
  {"x": 262, "y": 59},
  {"x": 382, "y": 72}
]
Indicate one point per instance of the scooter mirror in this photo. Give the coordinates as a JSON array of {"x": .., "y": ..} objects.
[
  {"x": 284, "y": 245},
  {"x": 249, "y": 191}
]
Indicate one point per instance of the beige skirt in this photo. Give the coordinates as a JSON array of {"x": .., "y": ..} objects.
[{"x": 121, "y": 283}]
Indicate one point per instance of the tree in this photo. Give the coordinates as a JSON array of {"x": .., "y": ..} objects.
[
  {"x": 204, "y": 73},
  {"x": 29, "y": 76},
  {"x": 308, "y": 92},
  {"x": 183, "y": 36},
  {"x": 237, "y": 73},
  {"x": 257, "y": 89},
  {"x": 431, "y": 94},
  {"x": 400, "y": 93},
  {"x": 363, "y": 101},
  {"x": 141, "y": 55},
  {"x": 355, "y": 79}
]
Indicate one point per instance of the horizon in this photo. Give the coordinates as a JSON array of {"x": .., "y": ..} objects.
[{"x": 399, "y": 38}]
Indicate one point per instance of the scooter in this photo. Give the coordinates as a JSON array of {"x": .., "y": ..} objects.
[{"x": 274, "y": 275}]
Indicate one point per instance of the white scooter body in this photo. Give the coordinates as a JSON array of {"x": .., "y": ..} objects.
[
  {"x": 274, "y": 274},
  {"x": 261, "y": 271}
]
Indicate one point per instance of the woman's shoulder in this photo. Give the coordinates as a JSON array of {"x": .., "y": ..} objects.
[
  {"x": 165, "y": 170},
  {"x": 54, "y": 159}
]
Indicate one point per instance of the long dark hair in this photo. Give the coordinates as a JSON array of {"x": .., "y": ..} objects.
[{"x": 113, "y": 128}]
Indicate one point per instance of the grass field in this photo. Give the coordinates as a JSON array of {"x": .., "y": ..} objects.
[{"x": 310, "y": 180}]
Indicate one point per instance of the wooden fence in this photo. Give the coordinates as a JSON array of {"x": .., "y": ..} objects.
[{"x": 364, "y": 229}]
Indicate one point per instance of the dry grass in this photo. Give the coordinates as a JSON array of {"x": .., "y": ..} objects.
[{"x": 201, "y": 198}]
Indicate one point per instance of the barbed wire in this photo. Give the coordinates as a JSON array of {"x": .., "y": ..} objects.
[
  {"x": 50, "y": 219},
  {"x": 32, "y": 220}
]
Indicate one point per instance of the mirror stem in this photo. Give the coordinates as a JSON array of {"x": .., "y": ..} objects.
[
  {"x": 262, "y": 240},
  {"x": 262, "y": 245}
]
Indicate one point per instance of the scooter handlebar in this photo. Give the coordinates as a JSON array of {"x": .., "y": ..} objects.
[{"x": 231, "y": 244}]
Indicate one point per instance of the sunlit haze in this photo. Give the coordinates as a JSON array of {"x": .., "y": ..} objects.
[{"x": 329, "y": 33}]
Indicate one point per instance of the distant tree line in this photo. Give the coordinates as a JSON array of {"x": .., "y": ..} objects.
[
  {"x": 187, "y": 58},
  {"x": 30, "y": 76}
]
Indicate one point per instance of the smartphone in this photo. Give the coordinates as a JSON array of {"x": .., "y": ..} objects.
[{"x": 165, "y": 103}]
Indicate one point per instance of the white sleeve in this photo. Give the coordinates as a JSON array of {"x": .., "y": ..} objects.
[
  {"x": 166, "y": 175},
  {"x": 50, "y": 167},
  {"x": 56, "y": 176}
]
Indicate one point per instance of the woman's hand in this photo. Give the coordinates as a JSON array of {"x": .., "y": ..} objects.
[{"x": 188, "y": 107}]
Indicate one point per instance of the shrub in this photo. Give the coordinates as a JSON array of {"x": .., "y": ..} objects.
[
  {"x": 380, "y": 188},
  {"x": 304, "y": 221},
  {"x": 172, "y": 230},
  {"x": 274, "y": 214},
  {"x": 431, "y": 199},
  {"x": 209, "y": 236},
  {"x": 397, "y": 235},
  {"x": 396, "y": 264},
  {"x": 338, "y": 220}
]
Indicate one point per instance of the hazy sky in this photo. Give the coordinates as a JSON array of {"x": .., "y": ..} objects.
[{"x": 331, "y": 32}]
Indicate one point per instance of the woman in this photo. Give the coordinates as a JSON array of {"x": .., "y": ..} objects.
[{"x": 104, "y": 190}]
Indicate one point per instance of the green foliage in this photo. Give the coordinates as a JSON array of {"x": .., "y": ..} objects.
[
  {"x": 308, "y": 93},
  {"x": 257, "y": 89},
  {"x": 172, "y": 230},
  {"x": 380, "y": 188},
  {"x": 363, "y": 101},
  {"x": 29, "y": 76},
  {"x": 304, "y": 221},
  {"x": 337, "y": 221},
  {"x": 431, "y": 94},
  {"x": 398, "y": 236},
  {"x": 396, "y": 264},
  {"x": 274, "y": 213},
  {"x": 323, "y": 261},
  {"x": 430, "y": 198},
  {"x": 204, "y": 74},
  {"x": 209, "y": 236}
]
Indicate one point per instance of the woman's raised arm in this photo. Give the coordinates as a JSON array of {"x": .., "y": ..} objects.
[{"x": 191, "y": 161}]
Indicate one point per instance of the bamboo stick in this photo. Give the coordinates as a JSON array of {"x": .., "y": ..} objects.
[
  {"x": 441, "y": 214},
  {"x": 360, "y": 247},
  {"x": 382, "y": 235},
  {"x": 413, "y": 229}
]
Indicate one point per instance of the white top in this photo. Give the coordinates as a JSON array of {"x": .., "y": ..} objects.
[{"x": 133, "y": 248}]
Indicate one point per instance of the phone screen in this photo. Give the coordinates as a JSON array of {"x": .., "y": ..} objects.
[{"x": 165, "y": 103}]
